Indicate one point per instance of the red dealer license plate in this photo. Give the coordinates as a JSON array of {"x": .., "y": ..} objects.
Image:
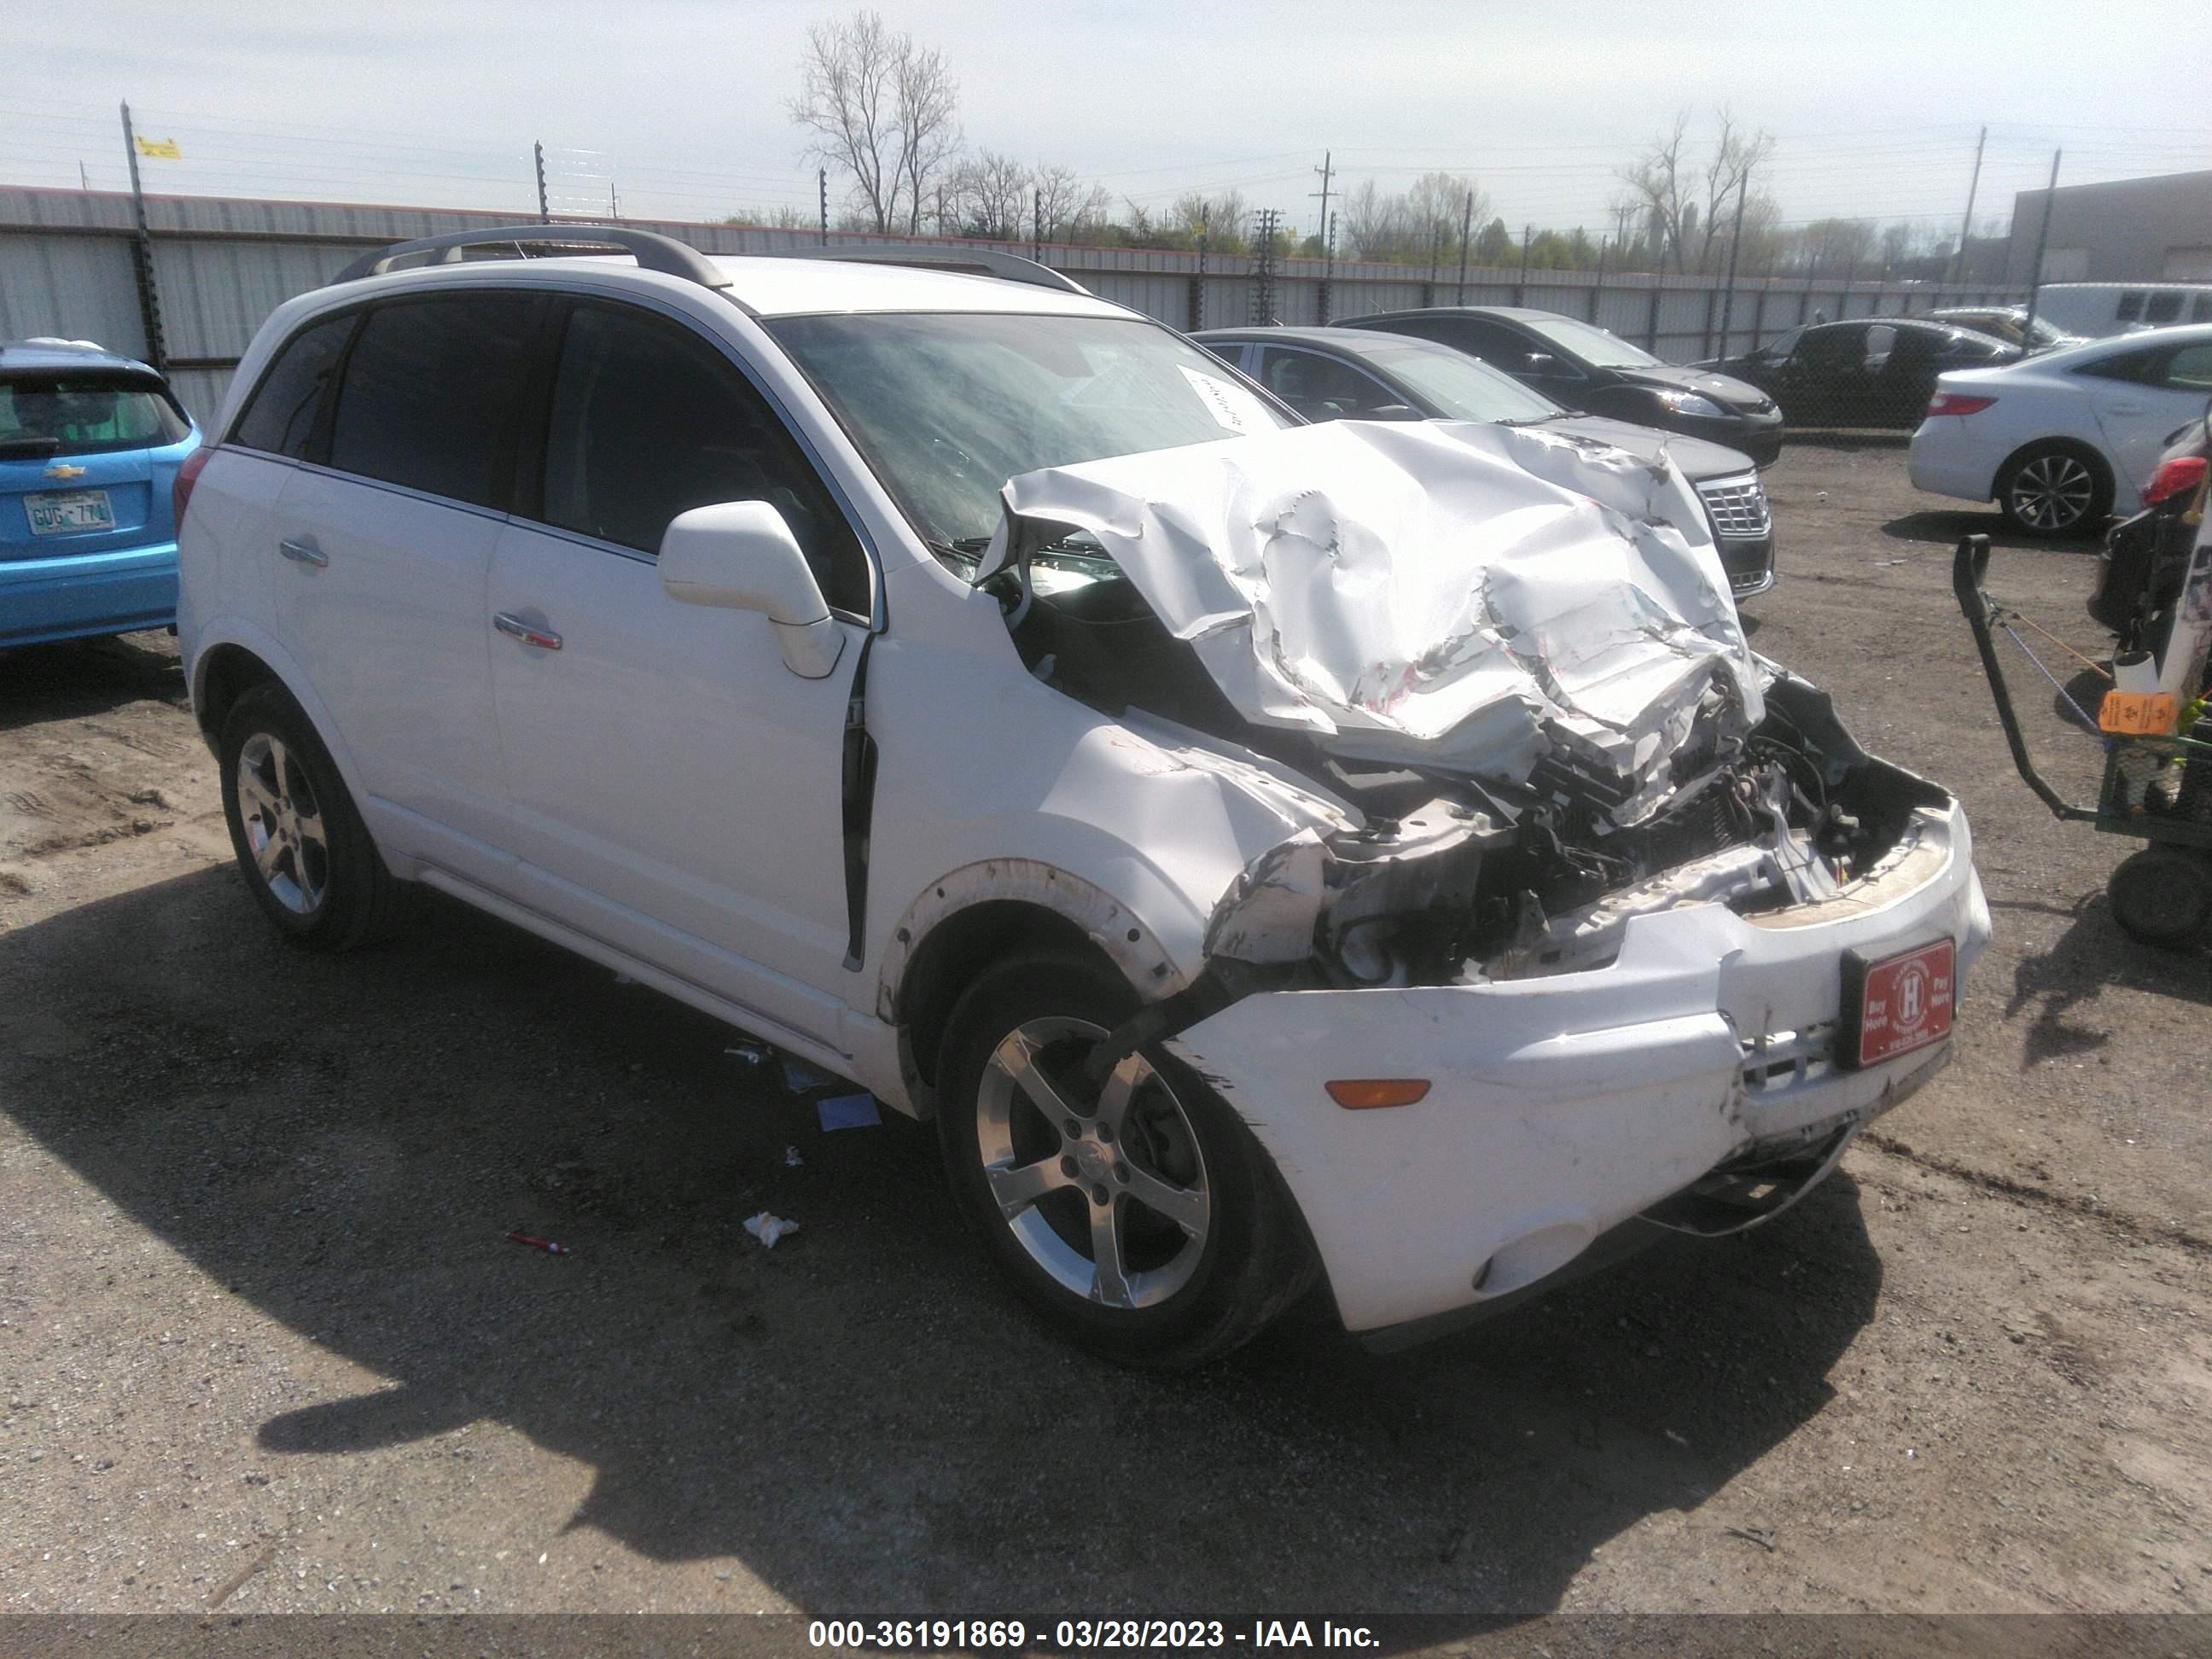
[{"x": 1897, "y": 1005}]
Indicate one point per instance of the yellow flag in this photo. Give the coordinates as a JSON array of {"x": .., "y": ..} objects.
[{"x": 166, "y": 148}]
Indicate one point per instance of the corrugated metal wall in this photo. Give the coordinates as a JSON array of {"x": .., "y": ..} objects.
[{"x": 220, "y": 265}]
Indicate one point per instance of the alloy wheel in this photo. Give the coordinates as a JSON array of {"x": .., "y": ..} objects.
[
  {"x": 1105, "y": 1190},
  {"x": 2053, "y": 492},
  {"x": 284, "y": 823}
]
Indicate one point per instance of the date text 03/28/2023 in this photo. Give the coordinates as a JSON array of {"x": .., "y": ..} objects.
[{"x": 1081, "y": 1635}]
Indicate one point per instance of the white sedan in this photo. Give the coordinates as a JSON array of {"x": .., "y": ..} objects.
[{"x": 2061, "y": 440}]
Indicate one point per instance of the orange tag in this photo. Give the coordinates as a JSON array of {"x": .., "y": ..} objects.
[{"x": 2137, "y": 714}]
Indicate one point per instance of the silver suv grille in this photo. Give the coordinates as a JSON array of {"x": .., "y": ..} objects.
[{"x": 1737, "y": 506}]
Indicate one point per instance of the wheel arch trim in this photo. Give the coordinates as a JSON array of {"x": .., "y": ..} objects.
[
  {"x": 237, "y": 633},
  {"x": 972, "y": 916}
]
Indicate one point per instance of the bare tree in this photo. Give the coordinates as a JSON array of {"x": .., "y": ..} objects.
[
  {"x": 881, "y": 109},
  {"x": 1373, "y": 224},
  {"x": 929, "y": 124},
  {"x": 1690, "y": 210},
  {"x": 1627, "y": 210},
  {"x": 1658, "y": 180},
  {"x": 1833, "y": 246},
  {"x": 1735, "y": 153},
  {"x": 1221, "y": 216},
  {"x": 1061, "y": 201},
  {"x": 991, "y": 194},
  {"x": 1437, "y": 205}
]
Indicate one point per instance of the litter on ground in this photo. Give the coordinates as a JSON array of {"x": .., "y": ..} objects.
[
  {"x": 769, "y": 1228},
  {"x": 849, "y": 1112}
]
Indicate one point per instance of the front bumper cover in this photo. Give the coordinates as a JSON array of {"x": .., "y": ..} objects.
[{"x": 1561, "y": 1106}]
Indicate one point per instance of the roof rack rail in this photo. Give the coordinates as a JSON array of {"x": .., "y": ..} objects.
[
  {"x": 652, "y": 252},
  {"x": 971, "y": 261}
]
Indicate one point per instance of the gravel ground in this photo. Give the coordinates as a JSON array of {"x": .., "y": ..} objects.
[{"x": 262, "y": 1345}]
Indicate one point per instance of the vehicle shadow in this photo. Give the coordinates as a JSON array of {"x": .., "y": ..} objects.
[
  {"x": 72, "y": 678},
  {"x": 2091, "y": 956},
  {"x": 1946, "y": 524},
  {"x": 861, "y": 1417}
]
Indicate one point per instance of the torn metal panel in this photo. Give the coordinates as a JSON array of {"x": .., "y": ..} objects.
[{"x": 1432, "y": 592}]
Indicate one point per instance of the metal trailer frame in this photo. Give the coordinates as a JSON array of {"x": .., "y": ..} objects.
[{"x": 2133, "y": 798}]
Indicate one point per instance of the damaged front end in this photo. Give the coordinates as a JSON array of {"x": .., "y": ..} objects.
[
  {"x": 1577, "y": 863},
  {"x": 1493, "y": 881},
  {"x": 1509, "y": 655}
]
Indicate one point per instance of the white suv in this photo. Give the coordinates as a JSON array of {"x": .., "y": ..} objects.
[{"x": 1364, "y": 855}]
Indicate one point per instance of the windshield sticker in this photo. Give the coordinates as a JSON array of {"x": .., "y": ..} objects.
[{"x": 1233, "y": 407}]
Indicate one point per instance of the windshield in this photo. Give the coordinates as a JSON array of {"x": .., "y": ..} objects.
[
  {"x": 77, "y": 414},
  {"x": 948, "y": 406},
  {"x": 1592, "y": 346},
  {"x": 1463, "y": 388}
]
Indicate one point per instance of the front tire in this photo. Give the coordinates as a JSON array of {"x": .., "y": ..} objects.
[
  {"x": 1140, "y": 1219},
  {"x": 301, "y": 846},
  {"x": 2055, "y": 489}
]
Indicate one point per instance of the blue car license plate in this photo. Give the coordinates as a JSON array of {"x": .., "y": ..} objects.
[{"x": 67, "y": 510}]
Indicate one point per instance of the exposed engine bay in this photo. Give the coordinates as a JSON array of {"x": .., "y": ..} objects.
[{"x": 1511, "y": 662}]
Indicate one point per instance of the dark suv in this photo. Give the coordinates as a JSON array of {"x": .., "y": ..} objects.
[{"x": 1582, "y": 367}]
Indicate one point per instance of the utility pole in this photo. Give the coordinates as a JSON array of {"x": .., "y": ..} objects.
[
  {"x": 822, "y": 183},
  {"x": 1967, "y": 226},
  {"x": 1520, "y": 284},
  {"x": 150, "y": 297},
  {"x": 613, "y": 203},
  {"x": 1597, "y": 288},
  {"x": 1036, "y": 226},
  {"x": 1735, "y": 241},
  {"x": 83, "y": 178},
  {"x": 2042, "y": 238},
  {"x": 1326, "y": 169},
  {"x": 1465, "y": 230},
  {"x": 545, "y": 214}
]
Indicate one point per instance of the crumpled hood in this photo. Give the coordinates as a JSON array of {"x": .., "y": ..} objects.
[{"x": 1458, "y": 594}]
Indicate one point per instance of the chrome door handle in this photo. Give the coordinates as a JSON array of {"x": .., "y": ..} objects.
[
  {"x": 2123, "y": 409},
  {"x": 302, "y": 550},
  {"x": 515, "y": 629}
]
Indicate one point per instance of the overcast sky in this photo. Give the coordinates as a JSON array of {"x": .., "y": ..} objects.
[{"x": 681, "y": 103}]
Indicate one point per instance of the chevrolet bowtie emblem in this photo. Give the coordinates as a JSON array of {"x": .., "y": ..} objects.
[{"x": 65, "y": 472}]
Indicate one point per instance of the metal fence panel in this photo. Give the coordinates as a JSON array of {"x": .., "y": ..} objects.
[
  {"x": 221, "y": 264},
  {"x": 81, "y": 288},
  {"x": 216, "y": 294}
]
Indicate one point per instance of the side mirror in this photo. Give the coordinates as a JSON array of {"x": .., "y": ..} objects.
[{"x": 740, "y": 555}]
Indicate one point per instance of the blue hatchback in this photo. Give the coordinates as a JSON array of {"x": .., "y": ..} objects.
[{"x": 89, "y": 448}]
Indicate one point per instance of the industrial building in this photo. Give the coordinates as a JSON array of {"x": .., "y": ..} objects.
[{"x": 2130, "y": 230}]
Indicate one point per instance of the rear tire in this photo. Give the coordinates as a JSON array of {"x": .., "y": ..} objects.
[
  {"x": 1154, "y": 1174},
  {"x": 301, "y": 846},
  {"x": 2162, "y": 895},
  {"x": 2054, "y": 489}
]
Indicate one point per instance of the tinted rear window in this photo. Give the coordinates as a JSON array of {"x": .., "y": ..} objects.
[
  {"x": 281, "y": 418},
  {"x": 84, "y": 414},
  {"x": 432, "y": 393}
]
